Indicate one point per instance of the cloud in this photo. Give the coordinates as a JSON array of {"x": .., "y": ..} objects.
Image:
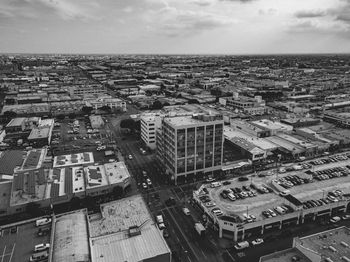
[
  {"x": 202, "y": 2},
  {"x": 310, "y": 14},
  {"x": 65, "y": 9},
  {"x": 175, "y": 22},
  {"x": 241, "y": 1}
]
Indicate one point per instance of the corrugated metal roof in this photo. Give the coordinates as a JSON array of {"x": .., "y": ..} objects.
[{"x": 120, "y": 247}]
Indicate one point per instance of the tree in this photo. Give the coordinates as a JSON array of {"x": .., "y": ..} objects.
[
  {"x": 107, "y": 109},
  {"x": 157, "y": 105},
  {"x": 127, "y": 123},
  {"x": 87, "y": 109},
  {"x": 118, "y": 192},
  {"x": 75, "y": 203},
  {"x": 61, "y": 117},
  {"x": 10, "y": 114},
  {"x": 72, "y": 115}
]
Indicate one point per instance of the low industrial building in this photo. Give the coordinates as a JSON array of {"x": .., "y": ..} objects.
[
  {"x": 330, "y": 245},
  {"x": 126, "y": 231}
]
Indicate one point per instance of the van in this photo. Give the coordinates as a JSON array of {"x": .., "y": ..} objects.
[
  {"x": 43, "y": 221},
  {"x": 41, "y": 247},
  {"x": 39, "y": 256}
]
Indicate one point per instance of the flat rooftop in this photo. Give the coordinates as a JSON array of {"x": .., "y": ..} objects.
[
  {"x": 323, "y": 243},
  {"x": 71, "y": 241},
  {"x": 268, "y": 124},
  {"x": 85, "y": 158},
  {"x": 179, "y": 121},
  {"x": 285, "y": 256},
  {"x": 120, "y": 215},
  {"x": 116, "y": 172},
  {"x": 18, "y": 121},
  {"x": 39, "y": 132},
  {"x": 34, "y": 159},
  {"x": 262, "y": 143},
  {"x": 110, "y": 239}
]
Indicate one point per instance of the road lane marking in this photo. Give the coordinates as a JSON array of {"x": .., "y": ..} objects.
[
  {"x": 13, "y": 249},
  {"x": 3, "y": 254}
]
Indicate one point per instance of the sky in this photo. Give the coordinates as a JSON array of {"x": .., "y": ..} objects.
[{"x": 175, "y": 26}]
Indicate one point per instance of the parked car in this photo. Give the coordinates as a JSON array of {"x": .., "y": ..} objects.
[{"x": 257, "y": 241}]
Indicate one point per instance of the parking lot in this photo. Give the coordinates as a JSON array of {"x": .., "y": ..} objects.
[
  {"x": 303, "y": 184},
  {"x": 18, "y": 245}
]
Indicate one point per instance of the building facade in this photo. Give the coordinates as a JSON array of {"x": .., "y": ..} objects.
[{"x": 192, "y": 146}]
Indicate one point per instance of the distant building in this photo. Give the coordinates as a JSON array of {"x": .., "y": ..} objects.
[
  {"x": 249, "y": 105},
  {"x": 192, "y": 146}
]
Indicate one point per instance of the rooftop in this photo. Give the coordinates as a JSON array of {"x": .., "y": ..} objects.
[
  {"x": 285, "y": 256},
  {"x": 39, "y": 132},
  {"x": 120, "y": 215},
  {"x": 18, "y": 121},
  {"x": 180, "y": 121},
  {"x": 333, "y": 244},
  {"x": 116, "y": 172},
  {"x": 110, "y": 238},
  {"x": 272, "y": 125},
  {"x": 34, "y": 159},
  {"x": 262, "y": 143},
  {"x": 85, "y": 158},
  {"x": 70, "y": 242}
]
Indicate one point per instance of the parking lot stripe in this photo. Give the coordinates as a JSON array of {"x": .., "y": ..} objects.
[
  {"x": 230, "y": 255},
  {"x": 3, "y": 254},
  {"x": 13, "y": 249}
]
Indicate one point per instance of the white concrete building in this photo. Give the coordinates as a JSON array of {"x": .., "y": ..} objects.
[{"x": 149, "y": 125}]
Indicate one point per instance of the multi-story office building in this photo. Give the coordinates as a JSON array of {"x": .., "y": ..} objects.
[{"x": 192, "y": 146}]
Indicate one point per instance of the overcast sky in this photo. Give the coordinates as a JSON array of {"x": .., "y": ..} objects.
[{"x": 175, "y": 26}]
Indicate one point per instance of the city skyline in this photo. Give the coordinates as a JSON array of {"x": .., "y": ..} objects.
[{"x": 175, "y": 27}]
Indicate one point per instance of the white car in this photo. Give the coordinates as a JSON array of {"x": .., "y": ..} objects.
[
  {"x": 41, "y": 247},
  {"x": 257, "y": 241},
  {"x": 144, "y": 185},
  {"x": 149, "y": 182},
  {"x": 346, "y": 217},
  {"x": 130, "y": 157}
]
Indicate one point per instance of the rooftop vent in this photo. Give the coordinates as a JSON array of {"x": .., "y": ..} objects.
[{"x": 134, "y": 231}]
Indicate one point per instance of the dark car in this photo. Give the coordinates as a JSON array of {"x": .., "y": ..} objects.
[
  {"x": 243, "y": 178},
  {"x": 225, "y": 183},
  {"x": 170, "y": 201},
  {"x": 44, "y": 231}
]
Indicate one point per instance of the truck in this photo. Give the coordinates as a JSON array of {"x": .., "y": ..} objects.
[
  {"x": 242, "y": 245},
  {"x": 200, "y": 229}
]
